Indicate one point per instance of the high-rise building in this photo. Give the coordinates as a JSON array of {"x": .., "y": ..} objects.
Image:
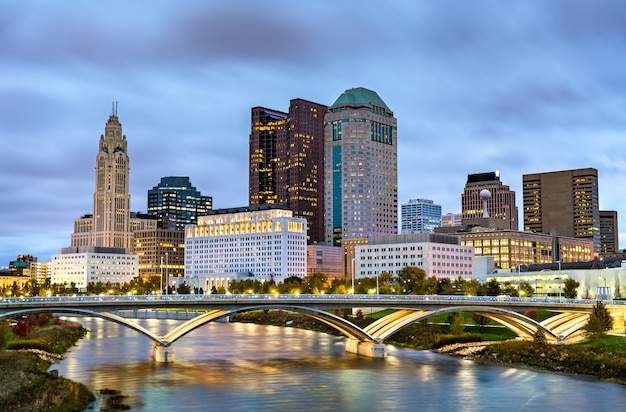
[
  {"x": 111, "y": 200},
  {"x": 563, "y": 203},
  {"x": 267, "y": 124},
  {"x": 177, "y": 203},
  {"x": 500, "y": 205},
  {"x": 609, "y": 239},
  {"x": 361, "y": 168},
  {"x": 287, "y": 161},
  {"x": 109, "y": 225},
  {"x": 420, "y": 216}
]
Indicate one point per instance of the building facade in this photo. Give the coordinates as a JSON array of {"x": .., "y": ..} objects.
[
  {"x": 420, "y": 216},
  {"x": 609, "y": 232},
  {"x": 264, "y": 242},
  {"x": 438, "y": 255},
  {"x": 563, "y": 203},
  {"x": 500, "y": 205},
  {"x": 160, "y": 252},
  {"x": 361, "y": 168},
  {"x": 511, "y": 248},
  {"x": 452, "y": 220},
  {"x": 324, "y": 259},
  {"x": 287, "y": 161},
  {"x": 176, "y": 202},
  {"x": 81, "y": 266}
]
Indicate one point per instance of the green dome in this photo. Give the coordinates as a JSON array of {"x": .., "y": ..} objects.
[{"x": 360, "y": 96}]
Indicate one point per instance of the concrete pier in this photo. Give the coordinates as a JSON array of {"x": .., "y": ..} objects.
[
  {"x": 369, "y": 349},
  {"x": 162, "y": 354}
]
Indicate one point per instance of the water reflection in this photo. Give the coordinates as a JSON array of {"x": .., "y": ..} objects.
[{"x": 246, "y": 367}]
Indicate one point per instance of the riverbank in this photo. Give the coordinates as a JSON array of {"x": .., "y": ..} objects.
[{"x": 25, "y": 383}]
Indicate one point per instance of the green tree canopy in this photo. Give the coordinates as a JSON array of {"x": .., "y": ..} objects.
[{"x": 570, "y": 287}]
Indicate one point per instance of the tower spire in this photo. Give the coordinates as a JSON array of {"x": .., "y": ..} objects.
[{"x": 114, "y": 107}]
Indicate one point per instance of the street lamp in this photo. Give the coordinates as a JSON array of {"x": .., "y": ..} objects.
[
  {"x": 161, "y": 290},
  {"x": 167, "y": 280},
  {"x": 353, "y": 270},
  {"x": 377, "y": 284}
]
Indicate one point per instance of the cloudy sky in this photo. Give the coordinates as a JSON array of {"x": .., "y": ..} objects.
[{"x": 515, "y": 86}]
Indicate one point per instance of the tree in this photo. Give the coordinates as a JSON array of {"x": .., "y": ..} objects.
[
  {"x": 526, "y": 290},
  {"x": 21, "y": 328},
  {"x": 600, "y": 320},
  {"x": 492, "y": 287},
  {"x": 569, "y": 288},
  {"x": 316, "y": 282},
  {"x": 411, "y": 279},
  {"x": 457, "y": 326},
  {"x": 510, "y": 290},
  {"x": 479, "y": 320}
]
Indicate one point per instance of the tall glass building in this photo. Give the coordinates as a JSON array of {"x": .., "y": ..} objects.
[
  {"x": 420, "y": 216},
  {"x": 361, "y": 168},
  {"x": 287, "y": 162},
  {"x": 177, "y": 203}
]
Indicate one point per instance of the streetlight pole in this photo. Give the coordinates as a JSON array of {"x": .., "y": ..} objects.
[
  {"x": 161, "y": 289},
  {"x": 167, "y": 280},
  {"x": 353, "y": 270},
  {"x": 376, "y": 284}
]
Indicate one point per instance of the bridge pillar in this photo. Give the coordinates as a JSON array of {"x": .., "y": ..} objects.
[
  {"x": 162, "y": 354},
  {"x": 369, "y": 349}
]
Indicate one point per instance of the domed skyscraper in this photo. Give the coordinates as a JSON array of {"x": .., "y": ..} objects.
[{"x": 361, "y": 168}]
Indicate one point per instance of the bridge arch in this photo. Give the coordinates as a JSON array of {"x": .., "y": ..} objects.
[
  {"x": 520, "y": 324},
  {"x": 77, "y": 311},
  {"x": 340, "y": 324}
]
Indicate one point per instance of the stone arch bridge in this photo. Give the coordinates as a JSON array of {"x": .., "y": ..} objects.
[{"x": 570, "y": 315}]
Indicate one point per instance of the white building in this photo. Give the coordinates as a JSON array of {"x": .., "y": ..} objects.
[
  {"x": 84, "y": 265},
  {"x": 438, "y": 255},
  {"x": 264, "y": 242}
]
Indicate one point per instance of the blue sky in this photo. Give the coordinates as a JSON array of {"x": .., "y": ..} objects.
[{"x": 515, "y": 86}]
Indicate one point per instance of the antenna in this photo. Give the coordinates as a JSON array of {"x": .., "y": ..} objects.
[{"x": 114, "y": 107}]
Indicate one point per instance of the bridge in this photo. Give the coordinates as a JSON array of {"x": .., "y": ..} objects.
[{"x": 571, "y": 315}]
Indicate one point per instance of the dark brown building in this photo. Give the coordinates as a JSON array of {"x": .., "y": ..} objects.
[
  {"x": 609, "y": 232},
  {"x": 563, "y": 203},
  {"x": 287, "y": 162}
]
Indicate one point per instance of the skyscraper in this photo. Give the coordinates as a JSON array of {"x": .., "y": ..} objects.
[
  {"x": 564, "y": 203},
  {"x": 111, "y": 200},
  {"x": 111, "y": 223},
  {"x": 420, "y": 216},
  {"x": 361, "y": 168},
  {"x": 501, "y": 204},
  {"x": 609, "y": 232},
  {"x": 286, "y": 161},
  {"x": 177, "y": 203}
]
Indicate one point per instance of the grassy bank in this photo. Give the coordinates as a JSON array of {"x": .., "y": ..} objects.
[
  {"x": 603, "y": 357},
  {"x": 26, "y": 385}
]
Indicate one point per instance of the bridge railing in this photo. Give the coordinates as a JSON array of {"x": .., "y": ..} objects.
[{"x": 322, "y": 298}]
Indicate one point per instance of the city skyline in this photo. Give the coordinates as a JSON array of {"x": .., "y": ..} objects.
[{"x": 521, "y": 88}]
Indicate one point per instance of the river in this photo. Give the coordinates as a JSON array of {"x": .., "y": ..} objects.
[{"x": 245, "y": 367}]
